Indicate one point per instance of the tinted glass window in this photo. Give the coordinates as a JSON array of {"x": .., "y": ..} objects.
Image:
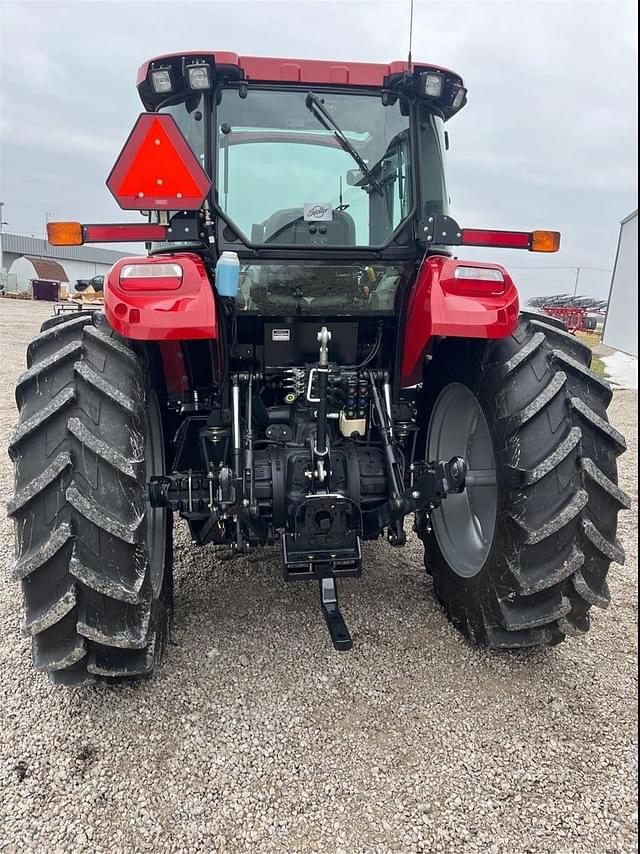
[
  {"x": 336, "y": 173},
  {"x": 316, "y": 288}
]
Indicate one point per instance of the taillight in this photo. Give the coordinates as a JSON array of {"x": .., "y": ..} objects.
[
  {"x": 496, "y": 239},
  {"x": 150, "y": 277},
  {"x": 534, "y": 241},
  {"x": 473, "y": 281}
]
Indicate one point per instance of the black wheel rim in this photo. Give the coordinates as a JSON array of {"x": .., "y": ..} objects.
[
  {"x": 156, "y": 517},
  {"x": 464, "y": 525}
]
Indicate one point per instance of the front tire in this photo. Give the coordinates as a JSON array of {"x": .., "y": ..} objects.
[
  {"x": 93, "y": 560},
  {"x": 555, "y": 501}
]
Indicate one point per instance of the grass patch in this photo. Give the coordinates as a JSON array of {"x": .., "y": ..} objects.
[
  {"x": 589, "y": 339},
  {"x": 598, "y": 367},
  {"x": 593, "y": 341}
]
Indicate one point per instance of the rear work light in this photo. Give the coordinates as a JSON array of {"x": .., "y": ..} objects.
[
  {"x": 150, "y": 277},
  {"x": 161, "y": 81},
  {"x": 432, "y": 84},
  {"x": 458, "y": 98},
  {"x": 198, "y": 76}
]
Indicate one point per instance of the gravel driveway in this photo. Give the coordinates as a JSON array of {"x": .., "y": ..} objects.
[{"x": 256, "y": 736}]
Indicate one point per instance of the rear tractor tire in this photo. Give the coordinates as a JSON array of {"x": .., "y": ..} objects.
[
  {"x": 93, "y": 559},
  {"x": 519, "y": 559}
]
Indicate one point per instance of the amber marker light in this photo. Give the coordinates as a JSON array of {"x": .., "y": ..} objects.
[
  {"x": 545, "y": 241},
  {"x": 65, "y": 233}
]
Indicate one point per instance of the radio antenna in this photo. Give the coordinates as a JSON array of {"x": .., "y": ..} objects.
[{"x": 410, "y": 34}]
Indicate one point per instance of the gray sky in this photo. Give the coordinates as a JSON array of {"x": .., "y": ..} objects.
[{"x": 547, "y": 140}]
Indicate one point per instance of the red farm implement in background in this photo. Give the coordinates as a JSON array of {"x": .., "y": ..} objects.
[
  {"x": 300, "y": 360},
  {"x": 577, "y": 313},
  {"x": 574, "y": 318}
]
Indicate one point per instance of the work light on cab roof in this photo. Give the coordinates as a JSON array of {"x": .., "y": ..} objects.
[{"x": 301, "y": 360}]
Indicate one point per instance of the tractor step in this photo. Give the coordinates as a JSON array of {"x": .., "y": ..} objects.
[{"x": 340, "y": 637}]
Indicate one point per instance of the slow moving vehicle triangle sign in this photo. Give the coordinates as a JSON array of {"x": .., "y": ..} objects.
[{"x": 156, "y": 169}]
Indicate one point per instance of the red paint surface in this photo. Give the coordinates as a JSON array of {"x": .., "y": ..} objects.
[
  {"x": 156, "y": 169},
  {"x": 188, "y": 312},
  {"x": 301, "y": 70},
  {"x": 436, "y": 308},
  {"x": 175, "y": 375}
]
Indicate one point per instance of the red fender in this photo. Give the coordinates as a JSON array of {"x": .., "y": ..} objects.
[
  {"x": 441, "y": 304},
  {"x": 175, "y": 375},
  {"x": 177, "y": 314}
]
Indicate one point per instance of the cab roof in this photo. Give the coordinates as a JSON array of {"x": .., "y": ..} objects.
[{"x": 279, "y": 70}]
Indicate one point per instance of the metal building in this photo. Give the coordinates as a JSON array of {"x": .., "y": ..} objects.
[
  {"x": 21, "y": 255},
  {"x": 27, "y": 268},
  {"x": 621, "y": 324}
]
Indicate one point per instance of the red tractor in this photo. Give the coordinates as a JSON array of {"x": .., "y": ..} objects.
[{"x": 300, "y": 359}]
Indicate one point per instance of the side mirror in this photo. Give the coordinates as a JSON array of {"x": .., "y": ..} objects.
[{"x": 354, "y": 177}]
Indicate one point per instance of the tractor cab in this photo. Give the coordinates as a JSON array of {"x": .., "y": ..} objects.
[
  {"x": 312, "y": 157},
  {"x": 323, "y": 178},
  {"x": 322, "y": 173}
]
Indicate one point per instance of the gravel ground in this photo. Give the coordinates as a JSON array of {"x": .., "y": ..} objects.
[{"x": 256, "y": 736}]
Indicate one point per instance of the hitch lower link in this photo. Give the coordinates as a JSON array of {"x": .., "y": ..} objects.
[
  {"x": 188, "y": 492},
  {"x": 183, "y": 492},
  {"x": 429, "y": 489}
]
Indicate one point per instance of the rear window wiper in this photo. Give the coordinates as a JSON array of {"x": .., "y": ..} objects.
[{"x": 315, "y": 105}]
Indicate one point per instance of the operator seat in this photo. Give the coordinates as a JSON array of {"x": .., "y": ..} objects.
[
  {"x": 289, "y": 226},
  {"x": 279, "y": 289}
]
